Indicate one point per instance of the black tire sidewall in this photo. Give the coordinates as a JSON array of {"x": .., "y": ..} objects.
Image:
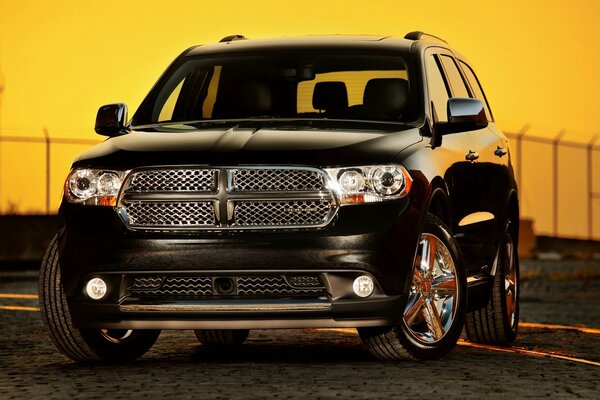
[{"x": 510, "y": 332}]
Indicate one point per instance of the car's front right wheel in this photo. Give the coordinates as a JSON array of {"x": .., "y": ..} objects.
[{"x": 432, "y": 319}]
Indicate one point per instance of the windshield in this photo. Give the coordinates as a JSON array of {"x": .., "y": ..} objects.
[{"x": 315, "y": 85}]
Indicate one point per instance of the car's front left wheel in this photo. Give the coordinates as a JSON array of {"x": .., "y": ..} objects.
[
  {"x": 83, "y": 345},
  {"x": 432, "y": 319}
]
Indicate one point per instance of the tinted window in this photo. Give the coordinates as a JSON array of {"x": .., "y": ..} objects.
[
  {"x": 173, "y": 100},
  {"x": 437, "y": 88},
  {"x": 355, "y": 83},
  {"x": 312, "y": 85},
  {"x": 168, "y": 108},
  {"x": 477, "y": 89},
  {"x": 459, "y": 89}
]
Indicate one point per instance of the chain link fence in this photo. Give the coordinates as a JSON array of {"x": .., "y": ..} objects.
[
  {"x": 33, "y": 169},
  {"x": 559, "y": 182}
]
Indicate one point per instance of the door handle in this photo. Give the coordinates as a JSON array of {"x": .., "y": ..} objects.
[
  {"x": 500, "y": 152},
  {"x": 471, "y": 156}
]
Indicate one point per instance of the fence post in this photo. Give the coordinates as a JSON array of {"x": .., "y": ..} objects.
[
  {"x": 555, "y": 144},
  {"x": 519, "y": 138},
  {"x": 48, "y": 143},
  {"x": 590, "y": 186}
]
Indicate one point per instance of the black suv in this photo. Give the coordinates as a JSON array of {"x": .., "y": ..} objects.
[{"x": 342, "y": 181}]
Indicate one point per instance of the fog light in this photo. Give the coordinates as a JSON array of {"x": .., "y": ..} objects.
[
  {"x": 363, "y": 286},
  {"x": 96, "y": 288}
]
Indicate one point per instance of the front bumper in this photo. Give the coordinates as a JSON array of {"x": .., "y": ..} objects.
[
  {"x": 378, "y": 240},
  {"x": 334, "y": 306}
]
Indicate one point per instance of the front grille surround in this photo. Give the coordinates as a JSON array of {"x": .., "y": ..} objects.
[{"x": 240, "y": 198}]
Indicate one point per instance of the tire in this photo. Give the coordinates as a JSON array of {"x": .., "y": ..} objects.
[
  {"x": 222, "y": 337},
  {"x": 498, "y": 321},
  {"x": 83, "y": 345},
  {"x": 425, "y": 333}
]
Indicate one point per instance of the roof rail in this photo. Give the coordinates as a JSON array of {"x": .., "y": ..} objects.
[
  {"x": 418, "y": 35},
  {"x": 231, "y": 38}
]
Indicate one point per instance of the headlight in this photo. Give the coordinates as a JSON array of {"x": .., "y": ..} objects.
[
  {"x": 369, "y": 184},
  {"x": 93, "y": 186}
]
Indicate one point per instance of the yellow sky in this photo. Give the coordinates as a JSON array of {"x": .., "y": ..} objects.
[{"x": 61, "y": 60}]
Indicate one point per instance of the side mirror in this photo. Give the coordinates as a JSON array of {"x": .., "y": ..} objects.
[
  {"x": 111, "y": 120},
  {"x": 464, "y": 114}
]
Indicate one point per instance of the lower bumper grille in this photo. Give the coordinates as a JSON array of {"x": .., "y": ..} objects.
[{"x": 242, "y": 286}]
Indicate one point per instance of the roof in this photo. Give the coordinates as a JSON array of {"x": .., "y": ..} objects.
[{"x": 362, "y": 42}]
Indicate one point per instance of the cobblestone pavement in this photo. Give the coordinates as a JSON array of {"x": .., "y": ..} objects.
[{"x": 314, "y": 364}]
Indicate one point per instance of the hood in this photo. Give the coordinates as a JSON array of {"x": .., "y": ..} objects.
[{"x": 246, "y": 145}]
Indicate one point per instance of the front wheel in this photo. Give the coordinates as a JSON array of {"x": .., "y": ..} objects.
[
  {"x": 433, "y": 316},
  {"x": 83, "y": 345}
]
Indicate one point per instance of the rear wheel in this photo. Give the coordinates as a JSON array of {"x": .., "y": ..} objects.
[
  {"x": 433, "y": 316},
  {"x": 498, "y": 321},
  {"x": 83, "y": 345},
  {"x": 222, "y": 337}
]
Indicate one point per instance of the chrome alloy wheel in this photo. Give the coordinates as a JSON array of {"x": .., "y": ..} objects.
[
  {"x": 510, "y": 281},
  {"x": 432, "y": 302}
]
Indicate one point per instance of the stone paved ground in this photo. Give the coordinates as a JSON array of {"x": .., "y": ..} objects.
[{"x": 315, "y": 364}]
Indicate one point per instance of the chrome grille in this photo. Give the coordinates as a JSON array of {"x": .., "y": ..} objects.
[
  {"x": 193, "y": 198},
  {"x": 282, "y": 212},
  {"x": 277, "y": 180},
  {"x": 201, "y": 286},
  {"x": 173, "y": 180},
  {"x": 172, "y": 214}
]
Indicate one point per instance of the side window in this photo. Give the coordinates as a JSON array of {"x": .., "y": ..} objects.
[
  {"x": 459, "y": 89},
  {"x": 477, "y": 89},
  {"x": 437, "y": 88}
]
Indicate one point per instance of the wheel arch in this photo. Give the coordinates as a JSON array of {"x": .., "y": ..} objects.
[
  {"x": 513, "y": 214},
  {"x": 439, "y": 201}
]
